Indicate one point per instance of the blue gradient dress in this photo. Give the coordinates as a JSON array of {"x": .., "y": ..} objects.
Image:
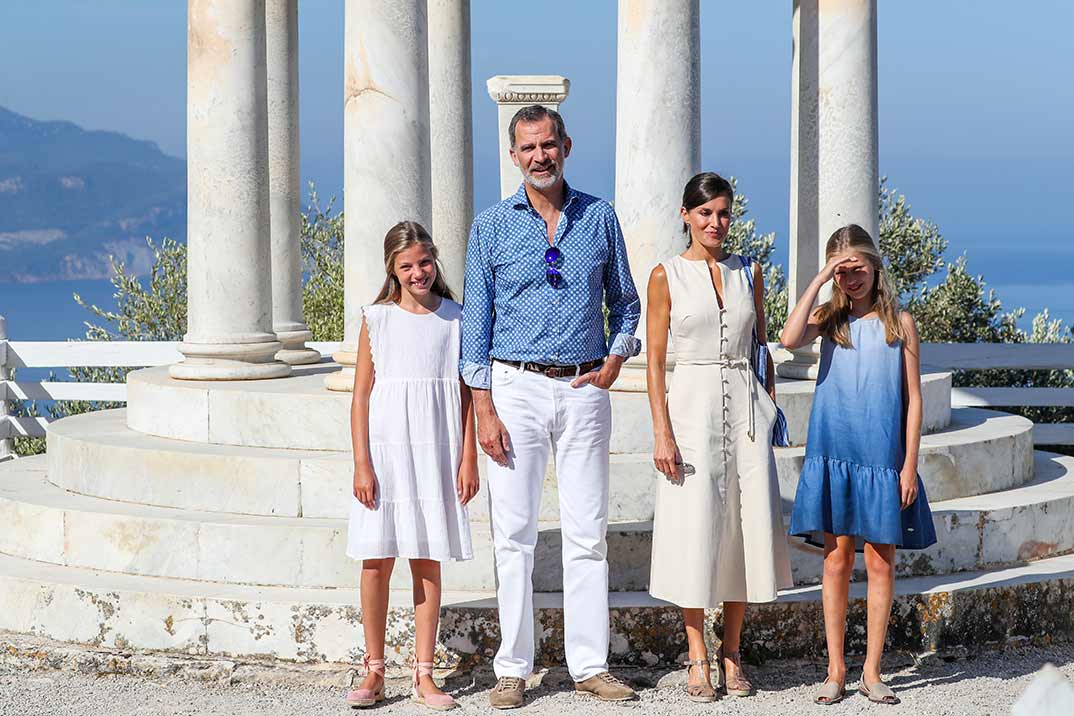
[{"x": 849, "y": 484}]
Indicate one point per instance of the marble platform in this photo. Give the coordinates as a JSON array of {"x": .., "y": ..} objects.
[
  {"x": 99, "y": 455},
  {"x": 298, "y": 413},
  {"x": 61, "y": 527},
  {"x": 209, "y": 518},
  {"x": 958, "y": 613}
]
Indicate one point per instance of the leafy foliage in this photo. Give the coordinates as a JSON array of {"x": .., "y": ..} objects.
[
  {"x": 914, "y": 247},
  {"x": 744, "y": 239},
  {"x": 157, "y": 310},
  {"x": 322, "y": 264}
]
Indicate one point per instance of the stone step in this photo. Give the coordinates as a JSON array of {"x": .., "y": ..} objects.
[
  {"x": 298, "y": 413},
  {"x": 969, "y": 611},
  {"x": 97, "y": 454},
  {"x": 60, "y": 527}
]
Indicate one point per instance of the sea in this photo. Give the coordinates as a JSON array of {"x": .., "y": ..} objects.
[{"x": 1030, "y": 278}]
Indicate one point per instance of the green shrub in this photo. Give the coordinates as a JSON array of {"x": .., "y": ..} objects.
[
  {"x": 322, "y": 265},
  {"x": 157, "y": 309}
]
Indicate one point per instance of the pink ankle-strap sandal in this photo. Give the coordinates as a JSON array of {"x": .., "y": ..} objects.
[
  {"x": 437, "y": 702},
  {"x": 363, "y": 698}
]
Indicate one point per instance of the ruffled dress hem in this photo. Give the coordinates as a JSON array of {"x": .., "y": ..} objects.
[
  {"x": 844, "y": 498},
  {"x": 381, "y": 551},
  {"x": 408, "y": 529}
]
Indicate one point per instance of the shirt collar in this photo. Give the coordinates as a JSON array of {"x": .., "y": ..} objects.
[{"x": 519, "y": 200}]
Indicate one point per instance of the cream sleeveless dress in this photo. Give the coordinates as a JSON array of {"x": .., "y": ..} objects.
[
  {"x": 415, "y": 438},
  {"x": 718, "y": 535}
]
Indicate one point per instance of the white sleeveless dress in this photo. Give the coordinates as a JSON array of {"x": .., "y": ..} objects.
[
  {"x": 415, "y": 438},
  {"x": 718, "y": 535}
]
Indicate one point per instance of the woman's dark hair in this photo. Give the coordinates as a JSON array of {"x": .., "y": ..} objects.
[{"x": 703, "y": 188}]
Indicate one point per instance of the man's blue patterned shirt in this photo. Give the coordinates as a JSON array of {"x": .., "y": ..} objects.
[{"x": 512, "y": 312}]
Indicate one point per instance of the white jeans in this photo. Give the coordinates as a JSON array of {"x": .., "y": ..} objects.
[{"x": 544, "y": 415}]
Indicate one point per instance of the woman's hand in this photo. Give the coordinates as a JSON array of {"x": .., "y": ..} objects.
[
  {"x": 365, "y": 486},
  {"x": 828, "y": 272},
  {"x": 468, "y": 482},
  {"x": 907, "y": 486},
  {"x": 666, "y": 457}
]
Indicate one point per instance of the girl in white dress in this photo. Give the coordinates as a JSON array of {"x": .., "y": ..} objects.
[{"x": 415, "y": 456}]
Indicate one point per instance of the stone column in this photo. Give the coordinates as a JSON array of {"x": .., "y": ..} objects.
[
  {"x": 511, "y": 93},
  {"x": 657, "y": 126},
  {"x": 229, "y": 326},
  {"x": 834, "y": 145},
  {"x": 451, "y": 134},
  {"x": 285, "y": 192},
  {"x": 385, "y": 148}
]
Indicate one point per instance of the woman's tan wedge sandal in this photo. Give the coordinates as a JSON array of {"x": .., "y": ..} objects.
[
  {"x": 701, "y": 693},
  {"x": 739, "y": 685}
]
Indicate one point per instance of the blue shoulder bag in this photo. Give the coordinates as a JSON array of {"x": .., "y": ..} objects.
[{"x": 759, "y": 361}]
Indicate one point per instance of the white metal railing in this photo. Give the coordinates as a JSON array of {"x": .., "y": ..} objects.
[
  {"x": 1010, "y": 356},
  {"x": 73, "y": 354},
  {"x": 69, "y": 354},
  {"x": 7, "y": 445}
]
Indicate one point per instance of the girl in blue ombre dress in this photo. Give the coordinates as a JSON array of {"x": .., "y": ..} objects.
[{"x": 859, "y": 487}]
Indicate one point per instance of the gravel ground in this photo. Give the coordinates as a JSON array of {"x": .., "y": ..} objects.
[{"x": 984, "y": 685}]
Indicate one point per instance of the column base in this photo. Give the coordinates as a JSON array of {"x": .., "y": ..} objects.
[
  {"x": 299, "y": 356},
  {"x": 229, "y": 361},
  {"x": 803, "y": 366},
  {"x": 343, "y": 379},
  {"x": 294, "y": 350}
]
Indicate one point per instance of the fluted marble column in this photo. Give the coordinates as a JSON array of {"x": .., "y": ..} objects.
[
  {"x": 835, "y": 176},
  {"x": 657, "y": 126},
  {"x": 229, "y": 326},
  {"x": 451, "y": 134},
  {"x": 511, "y": 93},
  {"x": 285, "y": 192},
  {"x": 385, "y": 148}
]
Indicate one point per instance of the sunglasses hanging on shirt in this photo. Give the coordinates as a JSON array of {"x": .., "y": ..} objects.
[{"x": 552, "y": 257}]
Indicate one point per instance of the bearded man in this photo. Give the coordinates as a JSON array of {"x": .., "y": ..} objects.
[{"x": 540, "y": 267}]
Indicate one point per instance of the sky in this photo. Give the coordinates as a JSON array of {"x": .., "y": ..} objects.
[{"x": 976, "y": 99}]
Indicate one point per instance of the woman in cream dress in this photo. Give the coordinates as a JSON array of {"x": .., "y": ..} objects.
[{"x": 718, "y": 534}]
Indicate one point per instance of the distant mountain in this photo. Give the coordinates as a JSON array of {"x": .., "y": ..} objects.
[{"x": 70, "y": 198}]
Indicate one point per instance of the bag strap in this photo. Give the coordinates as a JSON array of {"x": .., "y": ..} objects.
[{"x": 760, "y": 357}]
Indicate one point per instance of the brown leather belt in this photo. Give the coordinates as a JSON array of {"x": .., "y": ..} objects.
[{"x": 554, "y": 371}]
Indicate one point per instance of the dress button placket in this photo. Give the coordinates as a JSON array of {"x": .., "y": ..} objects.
[{"x": 724, "y": 381}]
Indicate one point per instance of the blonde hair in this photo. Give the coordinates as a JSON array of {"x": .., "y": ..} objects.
[
  {"x": 399, "y": 238},
  {"x": 834, "y": 316}
]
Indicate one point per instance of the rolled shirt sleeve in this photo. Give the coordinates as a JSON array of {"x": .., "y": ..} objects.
[
  {"x": 474, "y": 361},
  {"x": 620, "y": 295}
]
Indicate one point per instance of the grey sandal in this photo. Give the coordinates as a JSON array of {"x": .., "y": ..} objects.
[
  {"x": 831, "y": 692},
  {"x": 701, "y": 693},
  {"x": 878, "y": 693}
]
